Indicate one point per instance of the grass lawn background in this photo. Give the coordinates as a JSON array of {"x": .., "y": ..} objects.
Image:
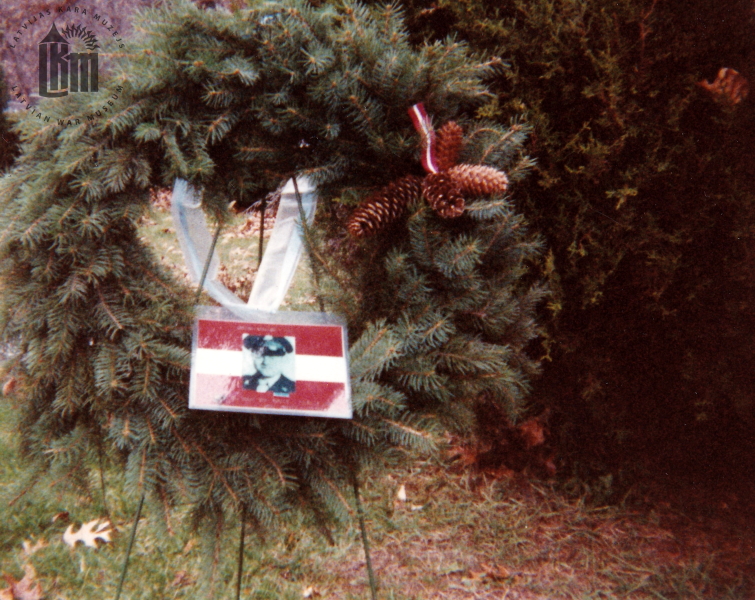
[{"x": 458, "y": 535}]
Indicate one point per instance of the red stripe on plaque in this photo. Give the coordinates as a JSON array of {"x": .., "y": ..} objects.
[
  {"x": 224, "y": 391},
  {"x": 319, "y": 340},
  {"x": 317, "y": 367}
]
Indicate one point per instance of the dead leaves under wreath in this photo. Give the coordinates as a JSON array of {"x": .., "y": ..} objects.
[
  {"x": 28, "y": 588},
  {"x": 90, "y": 533}
]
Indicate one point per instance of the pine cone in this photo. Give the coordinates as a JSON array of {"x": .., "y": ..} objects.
[
  {"x": 443, "y": 194},
  {"x": 478, "y": 180},
  {"x": 385, "y": 206},
  {"x": 448, "y": 142}
]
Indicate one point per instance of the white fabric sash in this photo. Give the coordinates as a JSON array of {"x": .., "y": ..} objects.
[{"x": 279, "y": 261}]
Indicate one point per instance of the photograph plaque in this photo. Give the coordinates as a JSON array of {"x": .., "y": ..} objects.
[{"x": 290, "y": 363}]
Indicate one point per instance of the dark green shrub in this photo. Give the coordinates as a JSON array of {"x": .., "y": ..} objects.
[{"x": 644, "y": 194}]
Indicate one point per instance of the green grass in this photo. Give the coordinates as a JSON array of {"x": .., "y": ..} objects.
[
  {"x": 237, "y": 250},
  {"x": 457, "y": 536}
]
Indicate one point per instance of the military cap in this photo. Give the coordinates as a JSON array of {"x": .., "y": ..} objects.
[{"x": 268, "y": 345}]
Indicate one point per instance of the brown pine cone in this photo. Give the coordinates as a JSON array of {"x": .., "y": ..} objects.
[
  {"x": 385, "y": 206},
  {"x": 443, "y": 194},
  {"x": 448, "y": 142},
  {"x": 479, "y": 180}
]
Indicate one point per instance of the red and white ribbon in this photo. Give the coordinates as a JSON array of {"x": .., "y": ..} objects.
[{"x": 424, "y": 126}]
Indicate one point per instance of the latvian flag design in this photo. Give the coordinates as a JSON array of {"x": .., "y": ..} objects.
[{"x": 270, "y": 367}]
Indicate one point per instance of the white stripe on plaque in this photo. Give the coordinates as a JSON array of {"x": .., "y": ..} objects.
[
  {"x": 217, "y": 362},
  {"x": 326, "y": 369}
]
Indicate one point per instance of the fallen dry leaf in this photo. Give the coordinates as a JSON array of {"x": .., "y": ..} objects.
[
  {"x": 89, "y": 533},
  {"x": 533, "y": 433},
  {"x": 190, "y": 545},
  {"x": 729, "y": 87},
  {"x": 61, "y": 516},
  {"x": 31, "y": 547},
  {"x": 496, "y": 572},
  {"x": 465, "y": 455},
  {"x": 182, "y": 579},
  {"x": 401, "y": 494},
  {"x": 26, "y": 589},
  {"x": 10, "y": 386}
]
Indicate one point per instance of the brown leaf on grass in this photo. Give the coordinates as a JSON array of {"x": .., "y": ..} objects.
[
  {"x": 490, "y": 572},
  {"x": 61, "y": 516},
  {"x": 465, "y": 455},
  {"x": 9, "y": 386},
  {"x": 26, "y": 589},
  {"x": 499, "y": 473},
  {"x": 190, "y": 545},
  {"x": 182, "y": 579},
  {"x": 31, "y": 547},
  {"x": 161, "y": 198},
  {"x": 239, "y": 284}
]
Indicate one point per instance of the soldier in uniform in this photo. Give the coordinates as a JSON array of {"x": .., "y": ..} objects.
[{"x": 269, "y": 356}]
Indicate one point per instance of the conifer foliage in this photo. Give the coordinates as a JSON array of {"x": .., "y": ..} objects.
[
  {"x": 445, "y": 186},
  {"x": 643, "y": 133},
  {"x": 454, "y": 293},
  {"x": 235, "y": 103}
]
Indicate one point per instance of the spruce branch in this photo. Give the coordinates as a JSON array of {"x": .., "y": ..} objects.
[
  {"x": 374, "y": 351},
  {"x": 235, "y": 103}
]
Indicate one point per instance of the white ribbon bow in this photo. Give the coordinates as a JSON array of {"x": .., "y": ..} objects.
[{"x": 279, "y": 261}]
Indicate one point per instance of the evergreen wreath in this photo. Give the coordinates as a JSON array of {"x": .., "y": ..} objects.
[{"x": 440, "y": 310}]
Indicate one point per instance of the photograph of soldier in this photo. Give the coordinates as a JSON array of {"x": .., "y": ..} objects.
[{"x": 268, "y": 364}]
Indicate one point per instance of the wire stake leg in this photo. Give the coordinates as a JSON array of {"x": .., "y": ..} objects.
[
  {"x": 240, "y": 566},
  {"x": 207, "y": 262},
  {"x": 130, "y": 546},
  {"x": 365, "y": 540}
]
